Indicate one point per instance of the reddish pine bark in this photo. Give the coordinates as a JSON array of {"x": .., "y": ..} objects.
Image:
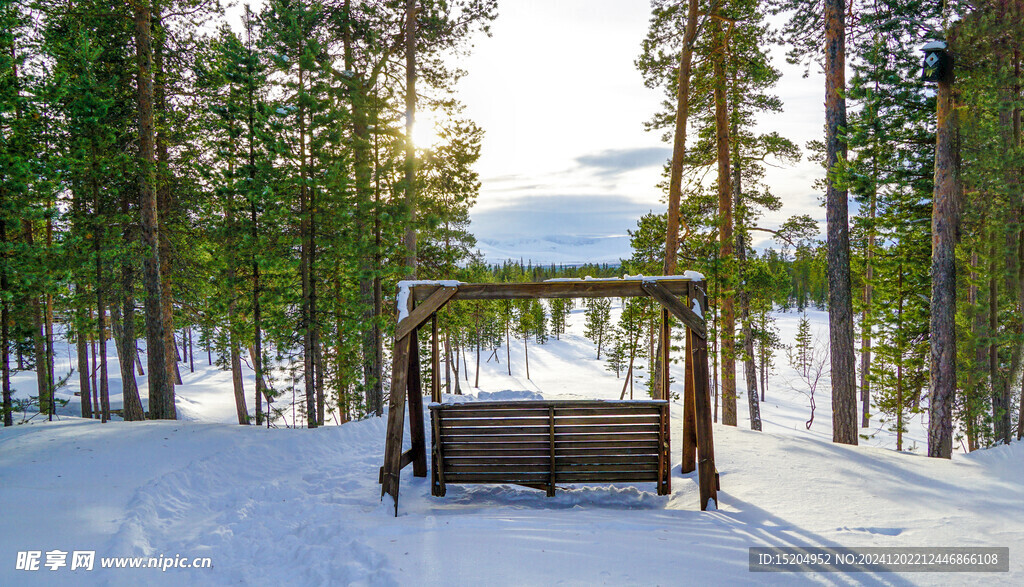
[
  {"x": 840, "y": 299},
  {"x": 943, "y": 296},
  {"x": 725, "y": 232},
  {"x": 161, "y": 393}
]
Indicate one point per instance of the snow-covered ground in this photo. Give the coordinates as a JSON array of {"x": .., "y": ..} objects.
[{"x": 299, "y": 506}]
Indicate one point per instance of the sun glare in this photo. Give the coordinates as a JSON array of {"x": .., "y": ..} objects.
[{"x": 424, "y": 130}]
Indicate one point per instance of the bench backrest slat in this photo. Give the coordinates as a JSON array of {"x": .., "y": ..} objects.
[{"x": 539, "y": 443}]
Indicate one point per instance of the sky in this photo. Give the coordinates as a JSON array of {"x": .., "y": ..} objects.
[{"x": 567, "y": 167}]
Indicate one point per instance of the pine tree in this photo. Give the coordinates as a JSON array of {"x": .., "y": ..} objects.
[
  {"x": 540, "y": 321},
  {"x": 598, "y": 321},
  {"x": 800, "y": 353},
  {"x": 560, "y": 308}
]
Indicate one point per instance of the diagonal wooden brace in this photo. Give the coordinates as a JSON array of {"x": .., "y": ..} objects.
[{"x": 678, "y": 309}]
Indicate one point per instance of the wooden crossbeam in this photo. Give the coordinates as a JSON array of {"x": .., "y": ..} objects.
[
  {"x": 421, "y": 313},
  {"x": 614, "y": 288},
  {"x": 670, "y": 302}
]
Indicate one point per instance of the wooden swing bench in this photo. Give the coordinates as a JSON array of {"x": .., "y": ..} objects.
[
  {"x": 542, "y": 443},
  {"x": 539, "y": 444}
]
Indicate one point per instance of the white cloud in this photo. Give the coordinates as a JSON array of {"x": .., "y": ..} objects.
[{"x": 558, "y": 95}]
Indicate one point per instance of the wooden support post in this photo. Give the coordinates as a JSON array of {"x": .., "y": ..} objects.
[
  {"x": 706, "y": 471},
  {"x": 435, "y": 363},
  {"x": 665, "y": 452},
  {"x": 689, "y": 463},
  {"x": 689, "y": 412},
  {"x": 396, "y": 421},
  {"x": 437, "y": 485},
  {"x": 419, "y": 442},
  {"x": 666, "y": 355}
]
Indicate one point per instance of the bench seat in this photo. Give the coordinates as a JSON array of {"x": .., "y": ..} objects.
[{"x": 539, "y": 444}]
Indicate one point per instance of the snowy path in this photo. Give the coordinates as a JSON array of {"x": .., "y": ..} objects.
[{"x": 301, "y": 507}]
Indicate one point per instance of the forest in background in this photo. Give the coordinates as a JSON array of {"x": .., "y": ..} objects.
[
  {"x": 278, "y": 172},
  {"x": 275, "y": 161}
]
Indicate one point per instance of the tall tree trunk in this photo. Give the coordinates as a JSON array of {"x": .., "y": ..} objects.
[
  {"x": 48, "y": 322},
  {"x": 92, "y": 373},
  {"x": 743, "y": 294},
  {"x": 526, "y": 353},
  {"x": 314, "y": 313},
  {"x": 676, "y": 170},
  {"x": 1013, "y": 274},
  {"x": 85, "y": 392},
  {"x": 81, "y": 336},
  {"x": 763, "y": 363},
  {"x": 725, "y": 233},
  {"x": 410, "y": 148},
  {"x": 342, "y": 387},
  {"x": 256, "y": 352},
  {"x": 840, "y": 300},
  {"x": 715, "y": 346},
  {"x": 369, "y": 282},
  {"x": 261, "y": 382},
  {"x": 998, "y": 384},
  {"x": 943, "y": 296},
  {"x": 749, "y": 369},
  {"x": 161, "y": 391},
  {"x": 508, "y": 350},
  {"x": 5, "y": 335},
  {"x": 865, "y": 320},
  {"x": 318, "y": 359},
  {"x": 43, "y": 384},
  {"x": 460, "y": 366},
  {"x": 305, "y": 214},
  {"x": 101, "y": 305},
  {"x": 124, "y": 339},
  {"x": 1018, "y": 178},
  {"x": 899, "y": 358},
  {"x": 448, "y": 365},
  {"x": 675, "y": 189},
  {"x": 234, "y": 352},
  {"x": 164, "y": 197},
  {"x": 976, "y": 379},
  {"x": 101, "y": 328}
]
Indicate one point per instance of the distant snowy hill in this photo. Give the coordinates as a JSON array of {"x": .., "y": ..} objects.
[
  {"x": 556, "y": 249},
  {"x": 297, "y": 506},
  {"x": 557, "y": 229}
]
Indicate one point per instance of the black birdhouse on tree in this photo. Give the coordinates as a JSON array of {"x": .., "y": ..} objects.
[{"x": 937, "y": 62}]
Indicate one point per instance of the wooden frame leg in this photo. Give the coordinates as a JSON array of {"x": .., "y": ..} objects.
[
  {"x": 689, "y": 463},
  {"x": 666, "y": 356},
  {"x": 706, "y": 471},
  {"x": 665, "y": 452},
  {"x": 391, "y": 474},
  {"x": 435, "y": 363},
  {"x": 437, "y": 485},
  {"x": 415, "y": 390}
]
